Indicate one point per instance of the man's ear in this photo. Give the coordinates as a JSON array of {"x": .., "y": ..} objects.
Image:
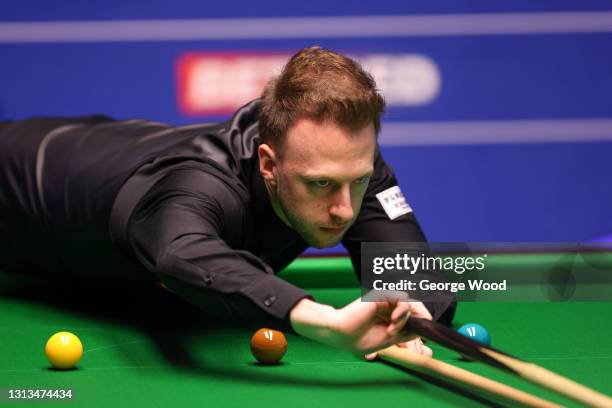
[{"x": 267, "y": 163}]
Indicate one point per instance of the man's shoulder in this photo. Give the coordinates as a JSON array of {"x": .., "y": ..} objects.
[
  {"x": 204, "y": 178},
  {"x": 226, "y": 151}
]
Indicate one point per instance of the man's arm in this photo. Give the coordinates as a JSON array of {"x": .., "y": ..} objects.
[{"x": 176, "y": 232}]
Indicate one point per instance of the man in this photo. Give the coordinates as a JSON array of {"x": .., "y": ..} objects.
[{"x": 213, "y": 211}]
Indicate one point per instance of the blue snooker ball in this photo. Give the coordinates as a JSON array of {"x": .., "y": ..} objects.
[{"x": 476, "y": 332}]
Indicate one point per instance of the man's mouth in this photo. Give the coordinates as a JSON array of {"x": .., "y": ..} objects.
[{"x": 333, "y": 231}]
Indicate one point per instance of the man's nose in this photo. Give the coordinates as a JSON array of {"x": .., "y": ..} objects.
[{"x": 341, "y": 209}]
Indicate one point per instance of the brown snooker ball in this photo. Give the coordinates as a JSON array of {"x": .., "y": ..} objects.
[{"x": 268, "y": 346}]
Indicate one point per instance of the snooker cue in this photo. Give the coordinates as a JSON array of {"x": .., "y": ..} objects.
[
  {"x": 447, "y": 337},
  {"x": 428, "y": 365}
]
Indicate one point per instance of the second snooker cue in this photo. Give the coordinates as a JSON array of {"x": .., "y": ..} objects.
[
  {"x": 428, "y": 365},
  {"x": 447, "y": 337}
]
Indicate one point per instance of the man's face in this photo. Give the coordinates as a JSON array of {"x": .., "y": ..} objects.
[{"x": 319, "y": 183}]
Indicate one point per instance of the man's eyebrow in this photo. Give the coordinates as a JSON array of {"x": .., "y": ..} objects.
[{"x": 314, "y": 176}]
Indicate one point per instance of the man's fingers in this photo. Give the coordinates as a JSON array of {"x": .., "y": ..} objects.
[
  {"x": 383, "y": 308},
  {"x": 399, "y": 317},
  {"x": 401, "y": 312},
  {"x": 418, "y": 309},
  {"x": 417, "y": 346},
  {"x": 371, "y": 356}
]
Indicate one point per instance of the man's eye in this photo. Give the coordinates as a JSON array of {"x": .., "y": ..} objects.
[
  {"x": 362, "y": 180},
  {"x": 321, "y": 183}
]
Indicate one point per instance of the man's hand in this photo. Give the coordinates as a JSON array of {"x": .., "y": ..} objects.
[
  {"x": 360, "y": 327},
  {"x": 415, "y": 345}
]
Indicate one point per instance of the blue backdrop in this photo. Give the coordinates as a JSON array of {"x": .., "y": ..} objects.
[{"x": 515, "y": 144}]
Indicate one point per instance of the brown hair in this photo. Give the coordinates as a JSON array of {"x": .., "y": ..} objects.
[{"x": 321, "y": 85}]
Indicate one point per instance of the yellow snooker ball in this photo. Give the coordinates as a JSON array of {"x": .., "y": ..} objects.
[{"x": 64, "y": 350}]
